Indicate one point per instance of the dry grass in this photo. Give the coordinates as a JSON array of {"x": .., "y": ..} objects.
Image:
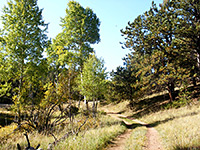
[
  {"x": 4, "y": 131},
  {"x": 121, "y": 108},
  {"x": 137, "y": 139},
  {"x": 94, "y": 139},
  {"x": 179, "y": 128},
  {"x": 35, "y": 139},
  {"x": 95, "y": 134}
]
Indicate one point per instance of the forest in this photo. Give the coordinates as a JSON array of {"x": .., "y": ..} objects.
[{"x": 56, "y": 85}]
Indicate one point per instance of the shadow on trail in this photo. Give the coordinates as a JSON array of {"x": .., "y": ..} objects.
[
  {"x": 131, "y": 126},
  {"x": 187, "y": 148},
  {"x": 123, "y": 122},
  {"x": 159, "y": 102},
  {"x": 154, "y": 124},
  {"x": 149, "y": 105},
  {"x": 120, "y": 112}
]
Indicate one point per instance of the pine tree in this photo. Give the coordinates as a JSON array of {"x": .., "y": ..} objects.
[
  {"x": 151, "y": 37},
  {"x": 123, "y": 82},
  {"x": 188, "y": 32}
]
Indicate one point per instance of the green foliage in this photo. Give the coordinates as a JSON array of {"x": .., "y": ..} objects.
[
  {"x": 188, "y": 32},
  {"x": 80, "y": 29},
  {"x": 91, "y": 82},
  {"x": 71, "y": 48},
  {"x": 123, "y": 83},
  {"x": 22, "y": 43},
  {"x": 158, "y": 49}
]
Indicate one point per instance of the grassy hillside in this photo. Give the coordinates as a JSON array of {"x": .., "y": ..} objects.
[
  {"x": 95, "y": 134},
  {"x": 179, "y": 128}
]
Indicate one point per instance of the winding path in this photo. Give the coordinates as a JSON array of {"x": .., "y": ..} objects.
[
  {"x": 119, "y": 142},
  {"x": 153, "y": 140}
]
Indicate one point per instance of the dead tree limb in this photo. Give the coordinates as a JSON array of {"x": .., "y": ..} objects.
[
  {"x": 51, "y": 145},
  {"x": 29, "y": 145}
]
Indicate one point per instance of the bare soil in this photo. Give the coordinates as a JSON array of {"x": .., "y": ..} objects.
[
  {"x": 119, "y": 142},
  {"x": 153, "y": 142}
]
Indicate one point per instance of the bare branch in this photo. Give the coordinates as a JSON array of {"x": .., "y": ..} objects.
[{"x": 51, "y": 145}]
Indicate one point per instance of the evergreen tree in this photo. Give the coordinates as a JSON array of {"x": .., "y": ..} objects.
[
  {"x": 188, "y": 32},
  {"x": 151, "y": 37},
  {"x": 123, "y": 83}
]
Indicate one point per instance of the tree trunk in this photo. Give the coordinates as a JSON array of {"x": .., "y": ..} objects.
[
  {"x": 194, "y": 81},
  {"x": 79, "y": 102},
  {"x": 86, "y": 104},
  {"x": 94, "y": 108},
  {"x": 19, "y": 115},
  {"x": 20, "y": 91},
  {"x": 171, "y": 90},
  {"x": 96, "y": 105}
]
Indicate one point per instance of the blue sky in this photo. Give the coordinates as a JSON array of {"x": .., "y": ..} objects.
[{"x": 114, "y": 16}]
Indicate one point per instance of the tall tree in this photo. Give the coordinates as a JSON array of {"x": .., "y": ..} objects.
[
  {"x": 80, "y": 29},
  {"x": 188, "y": 31},
  {"x": 151, "y": 37},
  {"x": 24, "y": 39},
  {"x": 123, "y": 82},
  {"x": 71, "y": 47},
  {"x": 91, "y": 82}
]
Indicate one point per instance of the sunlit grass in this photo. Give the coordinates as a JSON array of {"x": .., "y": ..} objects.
[
  {"x": 95, "y": 134},
  {"x": 137, "y": 139},
  {"x": 118, "y": 107},
  {"x": 178, "y": 128},
  {"x": 122, "y": 108},
  {"x": 4, "y": 131},
  {"x": 92, "y": 139},
  {"x": 181, "y": 132}
]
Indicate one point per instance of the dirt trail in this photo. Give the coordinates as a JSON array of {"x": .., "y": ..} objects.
[
  {"x": 119, "y": 142},
  {"x": 153, "y": 140}
]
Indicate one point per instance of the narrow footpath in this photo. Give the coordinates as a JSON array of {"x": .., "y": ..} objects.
[
  {"x": 153, "y": 140},
  {"x": 119, "y": 142}
]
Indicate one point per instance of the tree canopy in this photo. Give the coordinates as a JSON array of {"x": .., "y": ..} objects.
[
  {"x": 80, "y": 29},
  {"x": 160, "y": 49},
  {"x": 164, "y": 44},
  {"x": 91, "y": 81},
  {"x": 23, "y": 42}
]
